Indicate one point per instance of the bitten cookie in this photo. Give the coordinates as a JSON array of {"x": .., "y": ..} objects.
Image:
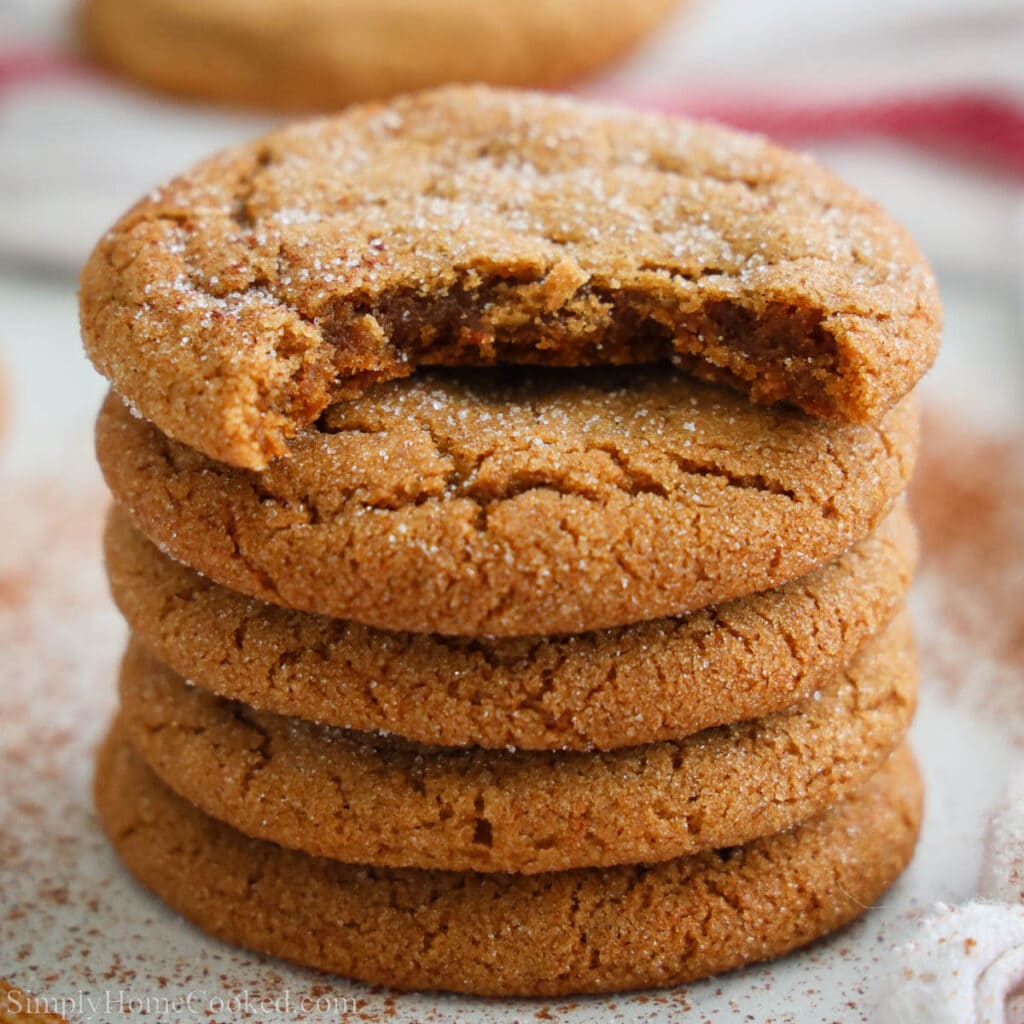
[
  {"x": 466, "y": 226},
  {"x": 511, "y": 503},
  {"x": 303, "y": 55},
  {"x": 651, "y": 681},
  {"x": 592, "y": 930},
  {"x": 377, "y": 800}
]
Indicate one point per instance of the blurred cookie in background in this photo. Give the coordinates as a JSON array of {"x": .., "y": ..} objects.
[{"x": 294, "y": 55}]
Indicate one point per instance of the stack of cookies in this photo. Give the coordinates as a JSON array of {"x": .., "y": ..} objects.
[{"x": 508, "y": 519}]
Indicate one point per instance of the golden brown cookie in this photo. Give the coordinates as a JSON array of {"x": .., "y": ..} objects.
[
  {"x": 591, "y": 930},
  {"x": 303, "y": 55},
  {"x": 651, "y": 681},
  {"x": 371, "y": 799},
  {"x": 516, "y": 503},
  {"x": 468, "y": 226}
]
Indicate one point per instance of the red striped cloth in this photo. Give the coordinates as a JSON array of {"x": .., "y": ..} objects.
[
  {"x": 24, "y": 67},
  {"x": 978, "y": 126}
]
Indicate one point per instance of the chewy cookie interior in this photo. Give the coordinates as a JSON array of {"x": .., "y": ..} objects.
[{"x": 777, "y": 353}]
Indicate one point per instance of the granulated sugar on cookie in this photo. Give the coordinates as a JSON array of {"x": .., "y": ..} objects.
[{"x": 473, "y": 226}]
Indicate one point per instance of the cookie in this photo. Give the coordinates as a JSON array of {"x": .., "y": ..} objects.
[
  {"x": 470, "y": 226},
  {"x": 652, "y": 681},
  {"x": 371, "y": 799},
  {"x": 322, "y": 54},
  {"x": 590, "y": 930},
  {"x": 469, "y": 503}
]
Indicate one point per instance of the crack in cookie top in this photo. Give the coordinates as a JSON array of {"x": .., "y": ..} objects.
[
  {"x": 473, "y": 226},
  {"x": 369, "y": 799},
  {"x": 508, "y": 502},
  {"x": 656, "y": 680}
]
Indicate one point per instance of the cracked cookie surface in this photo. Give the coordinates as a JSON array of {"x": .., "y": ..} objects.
[
  {"x": 372, "y": 799},
  {"x": 589, "y": 930},
  {"x": 471, "y": 226},
  {"x": 651, "y": 681},
  {"x": 516, "y": 502}
]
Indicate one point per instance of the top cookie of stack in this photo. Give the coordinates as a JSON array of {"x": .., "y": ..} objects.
[{"x": 468, "y": 226}]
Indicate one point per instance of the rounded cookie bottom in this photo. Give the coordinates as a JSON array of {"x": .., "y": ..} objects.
[{"x": 591, "y": 930}]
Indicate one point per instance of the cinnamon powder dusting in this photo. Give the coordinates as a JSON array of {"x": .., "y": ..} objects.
[{"x": 968, "y": 497}]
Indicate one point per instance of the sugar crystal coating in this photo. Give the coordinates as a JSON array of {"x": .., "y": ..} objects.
[
  {"x": 381, "y": 800},
  {"x": 496, "y": 502},
  {"x": 468, "y": 225},
  {"x": 655, "y": 680}
]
